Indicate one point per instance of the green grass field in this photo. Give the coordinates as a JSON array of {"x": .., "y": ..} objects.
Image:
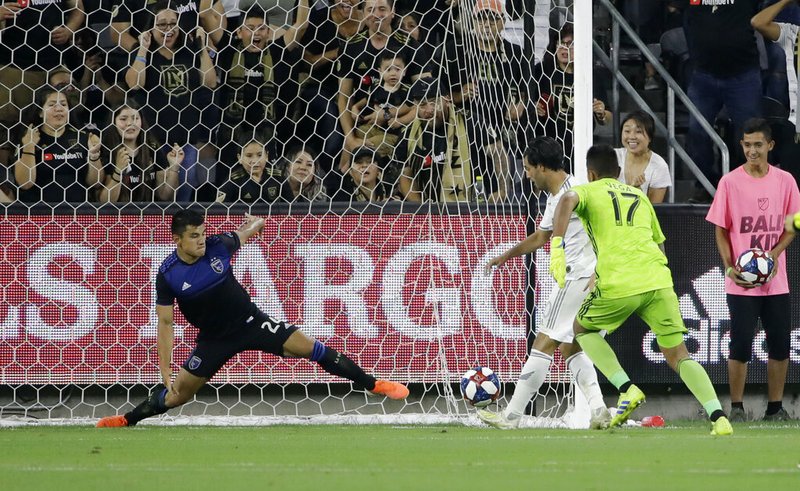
[{"x": 409, "y": 458}]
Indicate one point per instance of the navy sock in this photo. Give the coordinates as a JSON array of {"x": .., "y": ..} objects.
[
  {"x": 152, "y": 406},
  {"x": 624, "y": 387},
  {"x": 739, "y": 405},
  {"x": 773, "y": 407},
  {"x": 340, "y": 365}
]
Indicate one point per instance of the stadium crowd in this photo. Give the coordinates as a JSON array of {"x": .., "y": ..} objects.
[
  {"x": 209, "y": 101},
  {"x": 375, "y": 100}
]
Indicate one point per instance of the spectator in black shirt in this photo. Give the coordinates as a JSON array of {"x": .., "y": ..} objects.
[
  {"x": 302, "y": 182},
  {"x": 363, "y": 181},
  {"x": 329, "y": 29},
  {"x": 435, "y": 150},
  {"x": 555, "y": 106},
  {"x": 253, "y": 179},
  {"x": 35, "y": 37},
  {"x": 256, "y": 75},
  {"x": 358, "y": 66},
  {"x": 167, "y": 74},
  {"x": 132, "y": 173},
  {"x": 494, "y": 96},
  {"x": 57, "y": 163},
  {"x": 722, "y": 45},
  {"x": 385, "y": 111}
]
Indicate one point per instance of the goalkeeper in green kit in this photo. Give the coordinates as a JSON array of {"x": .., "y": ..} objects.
[{"x": 632, "y": 277}]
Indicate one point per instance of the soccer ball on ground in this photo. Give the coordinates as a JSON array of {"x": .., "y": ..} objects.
[
  {"x": 755, "y": 266},
  {"x": 480, "y": 386}
]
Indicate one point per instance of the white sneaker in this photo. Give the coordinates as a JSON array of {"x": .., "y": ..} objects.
[
  {"x": 600, "y": 420},
  {"x": 497, "y": 420}
]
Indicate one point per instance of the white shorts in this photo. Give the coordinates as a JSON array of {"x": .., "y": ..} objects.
[{"x": 561, "y": 309}]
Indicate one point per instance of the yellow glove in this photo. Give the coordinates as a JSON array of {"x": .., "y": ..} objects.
[
  {"x": 797, "y": 221},
  {"x": 558, "y": 261}
]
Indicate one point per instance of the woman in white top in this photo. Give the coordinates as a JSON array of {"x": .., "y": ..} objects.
[{"x": 640, "y": 166}]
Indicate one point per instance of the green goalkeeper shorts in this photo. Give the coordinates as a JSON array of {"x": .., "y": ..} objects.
[{"x": 658, "y": 308}]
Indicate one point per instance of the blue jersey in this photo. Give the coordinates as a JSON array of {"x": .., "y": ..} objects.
[{"x": 208, "y": 294}]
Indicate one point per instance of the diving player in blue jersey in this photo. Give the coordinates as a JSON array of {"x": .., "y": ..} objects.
[{"x": 198, "y": 275}]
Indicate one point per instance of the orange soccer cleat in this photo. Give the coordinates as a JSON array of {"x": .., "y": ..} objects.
[
  {"x": 112, "y": 422},
  {"x": 392, "y": 390}
]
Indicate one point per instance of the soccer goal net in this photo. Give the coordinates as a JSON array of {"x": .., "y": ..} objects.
[{"x": 381, "y": 140}]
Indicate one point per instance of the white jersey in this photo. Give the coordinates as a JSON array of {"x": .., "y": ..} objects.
[{"x": 577, "y": 247}]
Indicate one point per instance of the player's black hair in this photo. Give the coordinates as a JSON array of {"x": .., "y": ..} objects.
[
  {"x": 643, "y": 120},
  {"x": 545, "y": 151},
  {"x": 757, "y": 125},
  {"x": 603, "y": 160},
  {"x": 183, "y": 219}
]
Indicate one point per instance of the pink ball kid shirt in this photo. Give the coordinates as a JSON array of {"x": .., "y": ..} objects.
[{"x": 753, "y": 211}]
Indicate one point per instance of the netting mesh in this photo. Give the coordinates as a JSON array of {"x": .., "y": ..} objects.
[{"x": 382, "y": 140}]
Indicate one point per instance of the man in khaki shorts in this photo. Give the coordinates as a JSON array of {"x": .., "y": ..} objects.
[{"x": 632, "y": 277}]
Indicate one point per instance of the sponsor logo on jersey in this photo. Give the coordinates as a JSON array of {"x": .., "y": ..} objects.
[
  {"x": 62, "y": 156},
  {"x": 715, "y": 3},
  {"x": 194, "y": 362},
  {"x": 250, "y": 73},
  {"x": 36, "y": 3},
  {"x": 185, "y": 286},
  {"x": 216, "y": 265},
  {"x": 174, "y": 79},
  {"x": 189, "y": 7}
]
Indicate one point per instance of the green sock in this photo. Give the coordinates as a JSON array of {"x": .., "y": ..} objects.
[
  {"x": 603, "y": 357},
  {"x": 696, "y": 379}
]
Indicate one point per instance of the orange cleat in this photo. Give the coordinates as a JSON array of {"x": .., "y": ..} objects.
[
  {"x": 112, "y": 422},
  {"x": 392, "y": 390}
]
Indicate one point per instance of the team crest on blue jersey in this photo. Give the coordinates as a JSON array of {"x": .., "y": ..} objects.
[
  {"x": 216, "y": 265},
  {"x": 194, "y": 362}
]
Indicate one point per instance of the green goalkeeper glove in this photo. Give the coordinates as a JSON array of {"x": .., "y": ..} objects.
[{"x": 558, "y": 261}]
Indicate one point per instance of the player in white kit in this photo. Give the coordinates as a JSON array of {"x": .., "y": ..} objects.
[{"x": 544, "y": 165}]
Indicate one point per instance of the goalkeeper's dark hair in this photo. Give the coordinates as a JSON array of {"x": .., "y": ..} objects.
[
  {"x": 183, "y": 219},
  {"x": 757, "y": 125},
  {"x": 545, "y": 151},
  {"x": 602, "y": 159}
]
